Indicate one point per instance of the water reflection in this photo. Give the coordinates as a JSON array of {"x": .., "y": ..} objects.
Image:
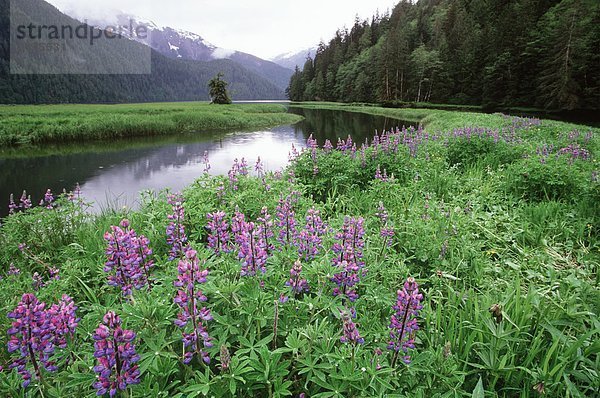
[{"x": 114, "y": 173}]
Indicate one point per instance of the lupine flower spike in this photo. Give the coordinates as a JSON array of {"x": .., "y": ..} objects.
[
  {"x": 404, "y": 320},
  {"x": 286, "y": 219},
  {"x": 350, "y": 333},
  {"x": 296, "y": 283},
  {"x": 176, "y": 237},
  {"x": 310, "y": 238},
  {"x": 218, "y": 235},
  {"x": 48, "y": 200},
  {"x": 348, "y": 259},
  {"x": 31, "y": 336},
  {"x": 191, "y": 318},
  {"x": 252, "y": 249},
  {"x": 115, "y": 352},
  {"x": 25, "y": 201},
  {"x": 128, "y": 256}
]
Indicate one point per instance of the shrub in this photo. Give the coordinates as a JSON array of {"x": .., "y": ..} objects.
[
  {"x": 485, "y": 151},
  {"x": 553, "y": 178}
]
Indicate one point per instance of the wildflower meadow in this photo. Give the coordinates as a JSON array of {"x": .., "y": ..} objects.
[{"x": 459, "y": 263}]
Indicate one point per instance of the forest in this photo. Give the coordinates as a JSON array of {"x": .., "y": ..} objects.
[
  {"x": 533, "y": 53},
  {"x": 170, "y": 80}
]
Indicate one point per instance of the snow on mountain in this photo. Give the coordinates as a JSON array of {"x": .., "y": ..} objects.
[
  {"x": 176, "y": 43},
  {"x": 294, "y": 58}
]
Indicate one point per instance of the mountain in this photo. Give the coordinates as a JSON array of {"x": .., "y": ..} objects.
[
  {"x": 175, "y": 43},
  {"x": 295, "y": 58},
  {"x": 171, "y": 78}
]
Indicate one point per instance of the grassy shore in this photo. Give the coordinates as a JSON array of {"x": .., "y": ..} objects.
[
  {"x": 37, "y": 124},
  {"x": 434, "y": 120},
  {"x": 498, "y": 224}
]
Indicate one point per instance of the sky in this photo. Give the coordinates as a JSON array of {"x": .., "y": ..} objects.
[{"x": 265, "y": 28}]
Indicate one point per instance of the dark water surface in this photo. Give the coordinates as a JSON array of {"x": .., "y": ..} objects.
[{"x": 114, "y": 173}]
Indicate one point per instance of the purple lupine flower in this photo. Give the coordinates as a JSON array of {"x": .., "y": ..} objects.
[
  {"x": 62, "y": 317},
  {"x": 12, "y": 270},
  {"x": 350, "y": 333},
  {"x": 350, "y": 242},
  {"x": 444, "y": 250},
  {"x": 348, "y": 258},
  {"x": 129, "y": 257},
  {"x": 38, "y": 281},
  {"x": 286, "y": 219},
  {"x": 191, "y": 318},
  {"x": 386, "y": 231},
  {"x": 311, "y": 142},
  {"x": 218, "y": 236},
  {"x": 238, "y": 223},
  {"x": 379, "y": 176},
  {"x": 77, "y": 191},
  {"x": 221, "y": 191},
  {"x": 404, "y": 320},
  {"x": 259, "y": 168},
  {"x": 12, "y": 206},
  {"x": 75, "y": 195},
  {"x": 283, "y": 298},
  {"x": 176, "y": 236},
  {"x": 243, "y": 167},
  {"x": 252, "y": 250},
  {"x": 206, "y": 162},
  {"x": 310, "y": 240},
  {"x": 574, "y": 152},
  {"x": 265, "y": 229},
  {"x": 346, "y": 279},
  {"x": 25, "y": 201},
  {"x": 115, "y": 352},
  {"x": 31, "y": 335},
  {"x": 382, "y": 214},
  {"x": 233, "y": 180},
  {"x": 48, "y": 200},
  {"x": 296, "y": 283},
  {"x": 293, "y": 155}
]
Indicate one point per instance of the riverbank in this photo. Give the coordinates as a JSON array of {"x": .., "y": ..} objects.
[
  {"x": 38, "y": 124},
  {"x": 434, "y": 120},
  {"x": 499, "y": 230}
]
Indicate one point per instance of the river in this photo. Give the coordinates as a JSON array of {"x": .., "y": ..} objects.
[{"x": 112, "y": 174}]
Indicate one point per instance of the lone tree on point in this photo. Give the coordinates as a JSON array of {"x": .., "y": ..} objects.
[{"x": 218, "y": 90}]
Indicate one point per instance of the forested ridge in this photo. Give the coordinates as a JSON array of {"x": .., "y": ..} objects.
[
  {"x": 535, "y": 53},
  {"x": 170, "y": 80}
]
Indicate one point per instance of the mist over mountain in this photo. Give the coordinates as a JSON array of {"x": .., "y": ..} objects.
[
  {"x": 173, "y": 77},
  {"x": 295, "y": 58},
  {"x": 181, "y": 44}
]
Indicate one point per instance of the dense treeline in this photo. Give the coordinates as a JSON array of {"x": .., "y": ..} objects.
[
  {"x": 170, "y": 80},
  {"x": 543, "y": 53}
]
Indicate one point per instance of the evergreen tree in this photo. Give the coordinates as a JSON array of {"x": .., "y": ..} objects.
[
  {"x": 489, "y": 53},
  {"x": 218, "y": 90}
]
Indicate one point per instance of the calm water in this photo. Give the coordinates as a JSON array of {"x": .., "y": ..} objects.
[{"x": 114, "y": 173}]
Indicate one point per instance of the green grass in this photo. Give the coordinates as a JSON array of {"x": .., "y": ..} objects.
[
  {"x": 475, "y": 225},
  {"x": 433, "y": 119},
  {"x": 40, "y": 124}
]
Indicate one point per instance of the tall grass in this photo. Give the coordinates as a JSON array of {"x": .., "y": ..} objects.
[
  {"x": 28, "y": 124},
  {"x": 509, "y": 278}
]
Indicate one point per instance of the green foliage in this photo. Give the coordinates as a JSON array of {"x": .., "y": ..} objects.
[
  {"x": 553, "y": 178},
  {"x": 25, "y": 125},
  {"x": 525, "y": 53},
  {"x": 170, "y": 80},
  {"x": 218, "y": 90},
  {"x": 471, "y": 236},
  {"x": 470, "y": 151}
]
